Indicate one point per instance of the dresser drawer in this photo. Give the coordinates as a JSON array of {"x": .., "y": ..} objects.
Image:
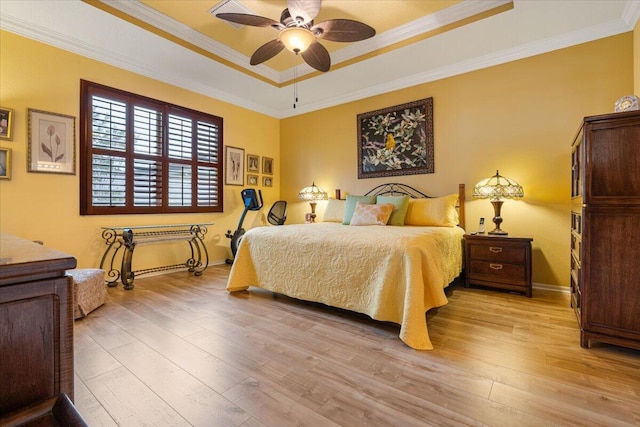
[
  {"x": 498, "y": 271},
  {"x": 498, "y": 252}
]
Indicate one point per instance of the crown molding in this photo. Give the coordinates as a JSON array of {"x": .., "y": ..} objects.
[
  {"x": 450, "y": 15},
  {"x": 118, "y": 59},
  {"x": 606, "y": 29},
  {"x": 152, "y": 17},
  {"x": 275, "y": 106},
  {"x": 631, "y": 14}
]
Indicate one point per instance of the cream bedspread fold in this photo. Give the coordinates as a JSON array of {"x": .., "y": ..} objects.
[{"x": 393, "y": 274}]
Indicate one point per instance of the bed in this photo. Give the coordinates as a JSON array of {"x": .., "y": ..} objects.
[{"x": 391, "y": 273}]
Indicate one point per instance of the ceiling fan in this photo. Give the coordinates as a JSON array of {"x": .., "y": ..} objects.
[{"x": 299, "y": 34}]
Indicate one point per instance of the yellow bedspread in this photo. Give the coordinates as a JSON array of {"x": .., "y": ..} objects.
[{"x": 389, "y": 273}]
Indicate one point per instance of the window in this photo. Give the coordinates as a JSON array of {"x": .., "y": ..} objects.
[{"x": 140, "y": 155}]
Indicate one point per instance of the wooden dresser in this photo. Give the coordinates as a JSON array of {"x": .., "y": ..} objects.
[
  {"x": 605, "y": 225},
  {"x": 36, "y": 330}
]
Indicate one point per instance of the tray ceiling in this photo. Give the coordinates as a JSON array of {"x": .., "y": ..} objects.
[{"x": 180, "y": 42}]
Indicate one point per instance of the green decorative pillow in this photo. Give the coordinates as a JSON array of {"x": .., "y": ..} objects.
[
  {"x": 350, "y": 206},
  {"x": 400, "y": 203}
]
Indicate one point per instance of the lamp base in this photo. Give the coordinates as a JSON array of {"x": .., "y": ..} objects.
[
  {"x": 497, "y": 219},
  {"x": 312, "y": 217},
  {"x": 498, "y": 232}
]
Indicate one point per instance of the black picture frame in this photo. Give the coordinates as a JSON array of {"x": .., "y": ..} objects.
[{"x": 396, "y": 140}]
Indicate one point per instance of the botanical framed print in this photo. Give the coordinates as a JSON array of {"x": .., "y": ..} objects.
[
  {"x": 51, "y": 146},
  {"x": 267, "y": 166},
  {"x": 267, "y": 181},
  {"x": 6, "y": 123},
  {"x": 253, "y": 163},
  {"x": 252, "y": 179},
  {"x": 5, "y": 163},
  {"x": 396, "y": 140},
  {"x": 234, "y": 169}
]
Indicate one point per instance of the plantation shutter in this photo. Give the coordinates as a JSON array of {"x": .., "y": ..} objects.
[{"x": 140, "y": 155}]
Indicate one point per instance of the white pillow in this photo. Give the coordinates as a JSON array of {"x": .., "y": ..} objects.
[
  {"x": 366, "y": 214},
  {"x": 334, "y": 211},
  {"x": 439, "y": 211}
]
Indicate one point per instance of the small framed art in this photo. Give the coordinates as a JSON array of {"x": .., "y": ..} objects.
[
  {"x": 267, "y": 181},
  {"x": 51, "y": 146},
  {"x": 253, "y": 163},
  {"x": 252, "y": 179},
  {"x": 6, "y": 123},
  {"x": 234, "y": 172},
  {"x": 5, "y": 163},
  {"x": 267, "y": 166}
]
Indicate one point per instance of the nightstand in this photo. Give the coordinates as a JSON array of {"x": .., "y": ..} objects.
[{"x": 502, "y": 262}]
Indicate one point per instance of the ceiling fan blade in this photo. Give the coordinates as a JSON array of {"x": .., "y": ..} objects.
[
  {"x": 253, "y": 20},
  {"x": 306, "y": 10},
  {"x": 266, "y": 51},
  {"x": 317, "y": 57},
  {"x": 343, "y": 30}
]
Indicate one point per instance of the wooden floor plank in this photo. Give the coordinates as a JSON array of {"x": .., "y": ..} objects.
[
  {"x": 197, "y": 403},
  {"x": 180, "y": 350},
  {"x": 272, "y": 407},
  {"x": 130, "y": 402},
  {"x": 555, "y": 410},
  {"x": 93, "y": 412}
]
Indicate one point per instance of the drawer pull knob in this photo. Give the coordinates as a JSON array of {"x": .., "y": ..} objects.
[
  {"x": 495, "y": 250},
  {"x": 496, "y": 266}
]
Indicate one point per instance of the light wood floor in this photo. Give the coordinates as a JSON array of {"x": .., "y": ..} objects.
[{"x": 179, "y": 350}]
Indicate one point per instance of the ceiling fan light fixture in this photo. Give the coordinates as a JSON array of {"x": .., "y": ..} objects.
[{"x": 296, "y": 39}]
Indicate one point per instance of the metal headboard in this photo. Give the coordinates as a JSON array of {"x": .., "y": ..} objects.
[{"x": 398, "y": 189}]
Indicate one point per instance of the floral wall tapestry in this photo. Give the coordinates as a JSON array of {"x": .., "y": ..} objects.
[{"x": 396, "y": 140}]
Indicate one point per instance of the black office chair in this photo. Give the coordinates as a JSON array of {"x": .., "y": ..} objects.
[{"x": 278, "y": 213}]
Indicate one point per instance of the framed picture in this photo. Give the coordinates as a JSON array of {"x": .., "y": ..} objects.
[
  {"x": 51, "y": 146},
  {"x": 234, "y": 159},
  {"x": 396, "y": 140},
  {"x": 267, "y": 181},
  {"x": 5, "y": 163},
  {"x": 253, "y": 163},
  {"x": 6, "y": 123},
  {"x": 252, "y": 179},
  {"x": 267, "y": 166}
]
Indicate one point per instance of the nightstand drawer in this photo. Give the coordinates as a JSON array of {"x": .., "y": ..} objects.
[
  {"x": 498, "y": 271},
  {"x": 499, "y": 252}
]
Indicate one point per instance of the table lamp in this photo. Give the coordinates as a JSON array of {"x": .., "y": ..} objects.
[
  {"x": 496, "y": 188},
  {"x": 313, "y": 194}
]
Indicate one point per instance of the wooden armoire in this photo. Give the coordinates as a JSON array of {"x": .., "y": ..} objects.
[{"x": 605, "y": 229}]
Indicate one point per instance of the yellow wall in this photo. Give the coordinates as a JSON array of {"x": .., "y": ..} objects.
[
  {"x": 519, "y": 117},
  {"x": 45, "y": 207}
]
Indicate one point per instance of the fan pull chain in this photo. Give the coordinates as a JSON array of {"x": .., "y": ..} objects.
[{"x": 295, "y": 82}]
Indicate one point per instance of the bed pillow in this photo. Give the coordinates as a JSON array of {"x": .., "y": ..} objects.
[
  {"x": 438, "y": 211},
  {"x": 334, "y": 211},
  {"x": 400, "y": 203},
  {"x": 365, "y": 214},
  {"x": 350, "y": 206}
]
